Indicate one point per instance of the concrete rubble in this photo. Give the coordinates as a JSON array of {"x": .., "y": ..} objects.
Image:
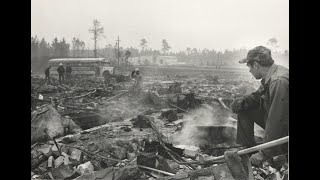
[{"x": 79, "y": 133}]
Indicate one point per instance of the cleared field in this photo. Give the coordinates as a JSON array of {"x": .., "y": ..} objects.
[{"x": 226, "y": 71}]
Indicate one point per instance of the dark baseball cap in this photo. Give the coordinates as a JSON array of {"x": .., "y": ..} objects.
[{"x": 260, "y": 54}]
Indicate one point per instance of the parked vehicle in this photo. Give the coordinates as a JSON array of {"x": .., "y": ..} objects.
[{"x": 99, "y": 67}]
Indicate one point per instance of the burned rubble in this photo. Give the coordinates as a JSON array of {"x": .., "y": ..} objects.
[{"x": 88, "y": 129}]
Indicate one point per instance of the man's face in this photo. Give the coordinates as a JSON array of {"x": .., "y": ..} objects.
[{"x": 254, "y": 70}]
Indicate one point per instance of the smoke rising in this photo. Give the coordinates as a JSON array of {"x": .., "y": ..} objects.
[{"x": 207, "y": 115}]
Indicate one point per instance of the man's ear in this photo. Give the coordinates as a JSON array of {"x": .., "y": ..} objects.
[{"x": 256, "y": 65}]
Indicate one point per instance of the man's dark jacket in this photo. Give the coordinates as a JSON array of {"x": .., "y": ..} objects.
[
  {"x": 68, "y": 69},
  {"x": 47, "y": 71},
  {"x": 273, "y": 98},
  {"x": 60, "y": 70}
]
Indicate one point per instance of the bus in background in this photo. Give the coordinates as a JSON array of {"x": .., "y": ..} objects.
[{"x": 98, "y": 67}]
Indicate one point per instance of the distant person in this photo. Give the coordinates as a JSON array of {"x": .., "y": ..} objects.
[
  {"x": 133, "y": 73},
  {"x": 47, "y": 74},
  {"x": 107, "y": 77},
  {"x": 61, "y": 71},
  {"x": 137, "y": 81},
  {"x": 68, "y": 72},
  {"x": 97, "y": 69}
]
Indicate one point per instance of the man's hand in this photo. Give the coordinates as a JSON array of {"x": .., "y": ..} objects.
[
  {"x": 257, "y": 159},
  {"x": 239, "y": 105}
]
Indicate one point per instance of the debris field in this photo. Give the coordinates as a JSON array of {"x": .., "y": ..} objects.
[{"x": 90, "y": 129}]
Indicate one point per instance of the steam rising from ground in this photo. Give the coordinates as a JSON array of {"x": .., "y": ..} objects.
[
  {"x": 204, "y": 116},
  {"x": 208, "y": 116}
]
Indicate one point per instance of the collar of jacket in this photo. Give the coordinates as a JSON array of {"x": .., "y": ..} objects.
[{"x": 272, "y": 69}]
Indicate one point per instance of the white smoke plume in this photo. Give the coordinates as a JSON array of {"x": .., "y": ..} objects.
[
  {"x": 205, "y": 116},
  {"x": 208, "y": 115}
]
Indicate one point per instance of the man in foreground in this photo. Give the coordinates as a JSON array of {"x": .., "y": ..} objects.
[{"x": 268, "y": 106}]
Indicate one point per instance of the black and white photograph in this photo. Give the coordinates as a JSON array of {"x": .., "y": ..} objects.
[{"x": 160, "y": 89}]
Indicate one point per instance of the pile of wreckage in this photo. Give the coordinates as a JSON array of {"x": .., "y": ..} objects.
[{"x": 88, "y": 129}]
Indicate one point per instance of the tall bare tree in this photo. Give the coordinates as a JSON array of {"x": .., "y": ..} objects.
[
  {"x": 97, "y": 30},
  {"x": 143, "y": 44},
  {"x": 74, "y": 46},
  {"x": 165, "y": 46},
  {"x": 127, "y": 54}
]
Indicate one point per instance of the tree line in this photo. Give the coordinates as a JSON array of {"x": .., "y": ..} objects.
[
  {"x": 62, "y": 49},
  {"x": 43, "y": 50}
]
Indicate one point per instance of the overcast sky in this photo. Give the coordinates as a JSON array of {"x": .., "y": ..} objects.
[{"x": 212, "y": 24}]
